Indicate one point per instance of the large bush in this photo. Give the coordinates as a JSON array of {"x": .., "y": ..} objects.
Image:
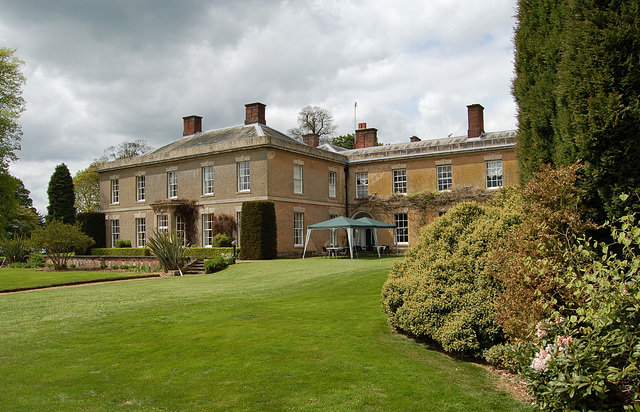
[
  {"x": 590, "y": 358},
  {"x": 444, "y": 289},
  {"x": 60, "y": 240},
  {"x": 259, "y": 231},
  {"x": 532, "y": 255},
  {"x": 16, "y": 249},
  {"x": 168, "y": 248},
  {"x": 93, "y": 225}
]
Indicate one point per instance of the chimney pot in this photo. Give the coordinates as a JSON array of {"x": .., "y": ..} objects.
[
  {"x": 192, "y": 125},
  {"x": 362, "y": 125},
  {"x": 415, "y": 139},
  {"x": 255, "y": 113},
  {"x": 311, "y": 139},
  {"x": 476, "y": 120}
]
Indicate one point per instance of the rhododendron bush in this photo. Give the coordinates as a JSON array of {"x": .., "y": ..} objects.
[{"x": 589, "y": 359}]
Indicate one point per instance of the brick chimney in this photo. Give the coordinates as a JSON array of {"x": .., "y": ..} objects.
[
  {"x": 192, "y": 125},
  {"x": 311, "y": 139},
  {"x": 255, "y": 113},
  {"x": 415, "y": 139},
  {"x": 476, "y": 120},
  {"x": 366, "y": 137}
]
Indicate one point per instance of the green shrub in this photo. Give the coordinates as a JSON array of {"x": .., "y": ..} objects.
[
  {"x": 221, "y": 240},
  {"x": 136, "y": 251},
  {"x": 258, "y": 231},
  {"x": 93, "y": 225},
  {"x": 60, "y": 240},
  {"x": 115, "y": 267},
  {"x": 214, "y": 265},
  {"x": 590, "y": 360},
  {"x": 206, "y": 252},
  {"x": 444, "y": 290},
  {"x": 167, "y": 246},
  {"x": 123, "y": 243},
  {"x": 103, "y": 266},
  {"x": 16, "y": 249},
  {"x": 36, "y": 260}
]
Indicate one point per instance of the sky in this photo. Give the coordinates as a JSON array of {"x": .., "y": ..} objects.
[{"x": 100, "y": 73}]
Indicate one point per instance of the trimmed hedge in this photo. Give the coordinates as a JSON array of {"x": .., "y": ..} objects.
[
  {"x": 121, "y": 251},
  {"x": 258, "y": 230},
  {"x": 93, "y": 225},
  {"x": 207, "y": 252},
  {"x": 192, "y": 252}
]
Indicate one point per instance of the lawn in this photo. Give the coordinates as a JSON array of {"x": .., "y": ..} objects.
[
  {"x": 278, "y": 335},
  {"x": 21, "y": 279}
]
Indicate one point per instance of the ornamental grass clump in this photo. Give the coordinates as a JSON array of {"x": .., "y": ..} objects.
[
  {"x": 16, "y": 249},
  {"x": 168, "y": 248}
]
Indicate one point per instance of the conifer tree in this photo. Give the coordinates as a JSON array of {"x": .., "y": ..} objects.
[
  {"x": 61, "y": 196},
  {"x": 577, "y": 87}
]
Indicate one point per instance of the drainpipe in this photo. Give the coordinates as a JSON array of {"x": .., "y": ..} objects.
[{"x": 346, "y": 191}]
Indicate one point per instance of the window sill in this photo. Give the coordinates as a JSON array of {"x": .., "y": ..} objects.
[
  {"x": 207, "y": 195},
  {"x": 243, "y": 192}
]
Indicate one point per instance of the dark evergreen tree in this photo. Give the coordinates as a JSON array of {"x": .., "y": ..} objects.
[
  {"x": 61, "y": 196},
  {"x": 258, "y": 230},
  {"x": 577, "y": 87}
]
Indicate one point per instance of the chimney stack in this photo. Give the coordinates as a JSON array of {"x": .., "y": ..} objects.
[
  {"x": 192, "y": 125},
  {"x": 476, "y": 120},
  {"x": 366, "y": 137},
  {"x": 415, "y": 139},
  {"x": 255, "y": 113},
  {"x": 311, "y": 139}
]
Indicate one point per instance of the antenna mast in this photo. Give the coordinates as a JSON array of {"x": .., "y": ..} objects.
[{"x": 355, "y": 124}]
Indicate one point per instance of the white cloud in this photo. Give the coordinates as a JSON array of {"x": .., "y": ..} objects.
[{"x": 104, "y": 72}]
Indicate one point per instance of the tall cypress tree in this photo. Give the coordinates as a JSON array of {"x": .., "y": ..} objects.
[
  {"x": 61, "y": 196},
  {"x": 577, "y": 87}
]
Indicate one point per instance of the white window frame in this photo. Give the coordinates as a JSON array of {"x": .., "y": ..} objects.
[
  {"x": 297, "y": 179},
  {"x": 207, "y": 180},
  {"x": 141, "y": 184},
  {"x": 494, "y": 174},
  {"x": 141, "y": 232},
  {"x": 244, "y": 176},
  {"x": 298, "y": 229},
  {"x": 400, "y": 181},
  {"x": 163, "y": 223},
  {"x": 172, "y": 184},
  {"x": 115, "y": 231},
  {"x": 362, "y": 185},
  {"x": 115, "y": 191},
  {"x": 181, "y": 229},
  {"x": 207, "y": 229},
  {"x": 401, "y": 221},
  {"x": 445, "y": 177},
  {"x": 332, "y": 184}
]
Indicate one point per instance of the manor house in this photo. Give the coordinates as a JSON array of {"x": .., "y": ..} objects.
[{"x": 214, "y": 172}]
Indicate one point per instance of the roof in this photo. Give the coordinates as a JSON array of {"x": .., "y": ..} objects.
[
  {"x": 338, "y": 222},
  {"x": 227, "y": 134}
]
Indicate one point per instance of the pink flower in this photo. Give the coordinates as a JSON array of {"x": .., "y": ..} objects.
[
  {"x": 541, "y": 332},
  {"x": 563, "y": 342},
  {"x": 539, "y": 363}
]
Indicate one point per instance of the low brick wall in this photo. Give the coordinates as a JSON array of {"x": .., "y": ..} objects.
[{"x": 94, "y": 262}]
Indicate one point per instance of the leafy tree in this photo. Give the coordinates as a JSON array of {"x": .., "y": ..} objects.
[
  {"x": 224, "y": 224},
  {"x": 346, "y": 140},
  {"x": 577, "y": 88},
  {"x": 60, "y": 240},
  {"x": 316, "y": 120},
  {"x": 17, "y": 214},
  {"x": 11, "y": 105},
  {"x": 86, "y": 186},
  {"x": 61, "y": 196},
  {"x": 125, "y": 150}
]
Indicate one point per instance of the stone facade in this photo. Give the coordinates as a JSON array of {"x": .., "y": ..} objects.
[{"x": 218, "y": 170}]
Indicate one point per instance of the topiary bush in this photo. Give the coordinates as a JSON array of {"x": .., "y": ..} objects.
[
  {"x": 214, "y": 265},
  {"x": 93, "y": 225},
  {"x": 123, "y": 243},
  {"x": 444, "y": 289},
  {"x": 258, "y": 231},
  {"x": 221, "y": 240}
]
